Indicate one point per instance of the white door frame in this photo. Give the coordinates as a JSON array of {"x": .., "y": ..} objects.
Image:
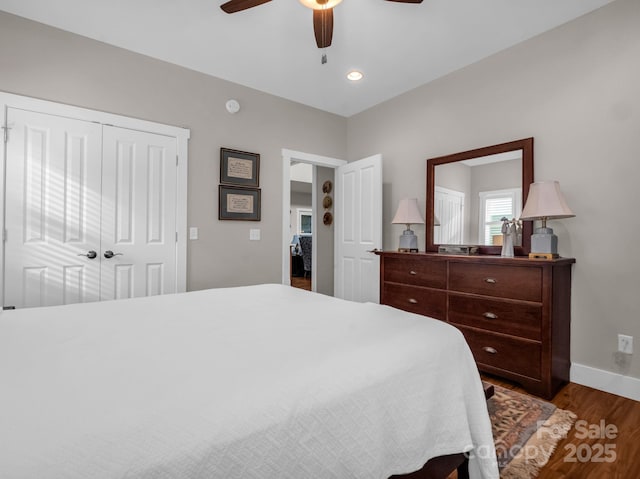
[
  {"x": 180, "y": 134},
  {"x": 315, "y": 160}
]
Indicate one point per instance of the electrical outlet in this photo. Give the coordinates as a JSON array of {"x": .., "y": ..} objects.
[
  {"x": 625, "y": 344},
  {"x": 254, "y": 234},
  {"x": 193, "y": 233}
]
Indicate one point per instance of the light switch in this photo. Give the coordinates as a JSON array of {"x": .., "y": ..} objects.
[
  {"x": 254, "y": 234},
  {"x": 193, "y": 233}
]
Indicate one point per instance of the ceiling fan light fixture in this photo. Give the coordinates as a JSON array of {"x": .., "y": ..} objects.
[
  {"x": 354, "y": 75},
  {"x": 320, "y": 4}
]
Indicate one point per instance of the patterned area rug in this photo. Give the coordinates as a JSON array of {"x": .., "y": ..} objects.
[{"x": 526, "y": 431}]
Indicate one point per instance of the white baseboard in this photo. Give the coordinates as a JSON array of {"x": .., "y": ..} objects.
[{"x": 607, "y": 381}]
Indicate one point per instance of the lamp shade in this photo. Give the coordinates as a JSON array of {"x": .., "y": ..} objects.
[
  {"x": 545, "y": 200},
  {"x": 408, "y": 213}
]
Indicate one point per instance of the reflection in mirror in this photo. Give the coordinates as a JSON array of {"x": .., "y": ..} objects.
[
  {"x": 468, "y": 194},
  {"x": 472, "y": 196}
]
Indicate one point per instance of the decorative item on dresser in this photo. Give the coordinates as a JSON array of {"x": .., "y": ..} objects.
[{"x": 515, "y": 313}]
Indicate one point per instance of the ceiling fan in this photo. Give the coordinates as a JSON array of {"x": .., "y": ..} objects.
[{"x": 322, "y": 14}]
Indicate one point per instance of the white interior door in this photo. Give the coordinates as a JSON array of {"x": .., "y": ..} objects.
[
  {"x": 52, "y": 210},
  {"x": 449, "y": 209},
  {"x": 138, "y": 214},
  {"x": 358, "y": 229}
]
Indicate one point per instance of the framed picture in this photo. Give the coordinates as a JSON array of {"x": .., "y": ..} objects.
[
  {"x": 236, "y": 203},
  {"x": 239, "y": 168}
]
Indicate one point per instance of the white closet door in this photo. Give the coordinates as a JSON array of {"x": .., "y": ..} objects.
[
  {"x": 138, "y": 214},
  {"x": 52, "y": 210}
]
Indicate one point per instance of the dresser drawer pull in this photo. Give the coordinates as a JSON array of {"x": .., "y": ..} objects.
[
  {"x": 490, "y": 280},
  {"x": 413, "y": 301},
  {"x": 490, "y": 350},
  {"x": 489, "y": 315},
  {"x": 412, "y": 273}
]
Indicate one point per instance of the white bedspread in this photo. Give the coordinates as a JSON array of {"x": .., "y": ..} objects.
[{"x": 254, "y": 382}]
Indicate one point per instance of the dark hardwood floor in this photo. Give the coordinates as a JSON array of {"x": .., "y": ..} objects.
[
  {"x": 604, "y": 442},
  {"x": 302, "y": 283}
]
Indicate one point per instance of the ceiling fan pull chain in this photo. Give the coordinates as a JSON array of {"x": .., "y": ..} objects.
[{"x": 323, "y": 60}]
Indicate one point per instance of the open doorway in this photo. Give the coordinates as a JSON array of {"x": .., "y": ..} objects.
[
  {"x": 301, "y": 224},
  {"x": 304, "y": 219},
  {"x": 357, "y": 201}
]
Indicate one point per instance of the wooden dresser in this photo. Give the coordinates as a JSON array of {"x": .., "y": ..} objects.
[{"x": 514, "y": 312}]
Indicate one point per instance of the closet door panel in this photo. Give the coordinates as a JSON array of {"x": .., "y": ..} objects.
[
  {"x": 52, "y": 210},
  {"x": 138, "y": 213}
]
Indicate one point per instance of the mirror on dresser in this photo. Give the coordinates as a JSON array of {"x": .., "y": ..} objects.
[{"x": 468, "y": 191}]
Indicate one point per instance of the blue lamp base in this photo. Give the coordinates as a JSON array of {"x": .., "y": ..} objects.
[
  {"x": 408, "y": 242},
  {"x": 544, "y": 241}
]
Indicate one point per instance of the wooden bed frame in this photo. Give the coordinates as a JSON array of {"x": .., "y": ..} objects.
[{"x": 442, "y": 466}]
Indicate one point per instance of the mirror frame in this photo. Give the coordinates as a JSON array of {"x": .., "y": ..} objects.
[{"x": 526, "y": 145}]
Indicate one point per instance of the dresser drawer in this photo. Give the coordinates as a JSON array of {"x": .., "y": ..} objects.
[
  {"x": 505, "y": 353},
  {"x": 415, "y": 299},
  {"x": 508, "y": 317},
  {"x": 407, "y": 270},
  {"x": 514, "y": 282}
]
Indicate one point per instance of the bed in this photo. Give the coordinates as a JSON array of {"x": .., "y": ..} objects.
[{"x": 251, "y": 382}]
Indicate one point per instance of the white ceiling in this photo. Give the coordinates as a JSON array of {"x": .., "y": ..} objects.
[{"x": 272, "y": 48}]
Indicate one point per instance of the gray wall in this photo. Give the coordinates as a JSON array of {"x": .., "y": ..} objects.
[
  {"x": 323, "y": 235},
  {"x": 47, "y": 63},
  {"x": 576, "y": 90}
]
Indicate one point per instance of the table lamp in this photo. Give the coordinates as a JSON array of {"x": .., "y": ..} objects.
[
  {"x": 545, "y": 201},
  {"x": 408, "y": 214}
]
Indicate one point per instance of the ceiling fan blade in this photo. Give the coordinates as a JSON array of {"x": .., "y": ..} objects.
[
  {"x": 323, "y": 27},
  {"x": 233, "y": 6},
  {"x": 405, "y": 1}
]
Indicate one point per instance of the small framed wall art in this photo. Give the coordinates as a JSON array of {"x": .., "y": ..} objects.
[
  {"x": 238, "y": 203},
  {"x": 239, "y": 168}
]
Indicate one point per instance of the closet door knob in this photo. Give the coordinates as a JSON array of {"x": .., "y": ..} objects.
[
  {"x": 110, "y": 254},
  {"x": 89, "y": 254}
]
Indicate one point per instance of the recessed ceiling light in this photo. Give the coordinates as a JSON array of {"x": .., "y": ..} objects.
[{"x": 354, "y": 75}]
